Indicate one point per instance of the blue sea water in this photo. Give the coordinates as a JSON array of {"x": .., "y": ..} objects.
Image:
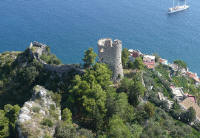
[{"x": 71, "y": 26}]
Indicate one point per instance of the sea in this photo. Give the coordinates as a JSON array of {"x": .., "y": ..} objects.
[{"x": 70, "y": 27}]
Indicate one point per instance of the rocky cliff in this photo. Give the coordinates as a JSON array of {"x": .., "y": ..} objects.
[{"x": 39, "y": 115}]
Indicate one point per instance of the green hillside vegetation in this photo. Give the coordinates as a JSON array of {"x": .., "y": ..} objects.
[{"x": 92, "y": 105}]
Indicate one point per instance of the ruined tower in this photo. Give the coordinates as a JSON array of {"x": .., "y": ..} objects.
[{"x": 109, "y": 52}]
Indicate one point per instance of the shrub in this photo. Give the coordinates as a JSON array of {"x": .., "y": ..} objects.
[
  {"x": 117, "y": 128},
  {"x": 47, "y": 122},
  {"x": 52, "y": 107},
  {"x": 125, "y": 85},
  {"x": 89, "y": 58},
  {"x": 130, "y": 64},
  {"x": 4, "y": 125},
  {"x": 85, "y": 133},
  {"x": 69, "y": 131},
  {"x": 180, "y": 63},
  {"x": 65, "y": 131},
  {"x": 56, "y": 98},
  {"x": 54, "y": 114},
  {"x": 139, "y": 63},
  {"x": 1, "y": 84},
  {"x": 67, "y": 115},
  {"x": 136, "y": 130},
  {"x": 50, "y": 59},
  {"x": 188, "y": 116},
  {"x": 152, "y": 130},
  {"x": 125, "y": 57},
  {"x": 36, "y": 109},
  {"x": 149, "y": 109},
  {"x": 197, "y": 126},
  {"x": 47, "y": 136}
]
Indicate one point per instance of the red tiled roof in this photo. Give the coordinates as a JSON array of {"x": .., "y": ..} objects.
[
  {"x": 150, "y": 66},
  {"x": 190, "y": 74},
  {"x": 193, "y": 76},
  {"x": 161, "y": 60}
]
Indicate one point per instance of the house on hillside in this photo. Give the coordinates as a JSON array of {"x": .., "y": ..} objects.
[
  {"x": 193, "y": 76},
  {"x": 134, "y": 54},
  {"x": 149, "y": 61},
  {"x": 184, "y": 71},
  {"x": 163, "y": 61},
  {"x": 174, "y": 67},
  {"x": 178, "y": 93},
  {"x": 187, "y": 103}
]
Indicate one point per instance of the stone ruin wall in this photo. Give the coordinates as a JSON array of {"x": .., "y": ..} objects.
[
  {"x": 60, "y": 69},
  {"x": 109, "y": 52}
]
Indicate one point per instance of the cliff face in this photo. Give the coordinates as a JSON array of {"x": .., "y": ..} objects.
[{"x": 39, "y": 115}]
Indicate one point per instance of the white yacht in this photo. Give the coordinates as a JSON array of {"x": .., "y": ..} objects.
[{"x": 178, "y": 8}]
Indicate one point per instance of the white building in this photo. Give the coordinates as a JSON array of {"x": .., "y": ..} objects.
[
  {"x": 163, "y": 61},
  {"x": 178, "y": 93},
  {"x": 149, "y": 58}
]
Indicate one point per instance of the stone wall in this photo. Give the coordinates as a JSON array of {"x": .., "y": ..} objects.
[
  {"x": 109, "y": 52},
  {"x": 37, "y": 49}
]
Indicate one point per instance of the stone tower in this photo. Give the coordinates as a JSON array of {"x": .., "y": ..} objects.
[{"x": 109, "y": 52}]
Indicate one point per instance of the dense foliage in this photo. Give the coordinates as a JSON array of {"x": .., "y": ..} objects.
[
  {"x": 125, "y": 57},
  {"x": 8, "y": 118},
  {"x": 139, "y": 63},
  {"x": 89, "y": 58},
  {"x": 180, "y": 63},
  {"x": 92, "y": 106}
]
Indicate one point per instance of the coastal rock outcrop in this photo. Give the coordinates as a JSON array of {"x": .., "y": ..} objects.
[
  {"x": 109, "y": 52},
  {"x": 39, "y": 115}
]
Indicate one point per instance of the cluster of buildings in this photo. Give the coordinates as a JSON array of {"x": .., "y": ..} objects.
[
  {"x": 163, "y": 61},
  {"x": 150, "y": 63},
  {"x": 185, "y": 100},
  {"x": 149, "y": 60},
  {"x": 135, "y": 53},
  {"x": 193, "y": 76},
  {"x": 169, "y": 103},
  {"x": 177, "y": 92},
  {"x": 191, "y": 102}
]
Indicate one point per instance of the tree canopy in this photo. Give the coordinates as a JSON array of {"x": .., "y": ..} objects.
[
  {"x": 117, "y": 129},
  {"x": 188, "y": 116},
  {"x": 139, "y": 63},
  {"x": 89, "y": 58},
  {"x": 4, "y": 125},
  {"x": 88, "y": 95},
  {"x": 67, "y": 116},
  {"x": 125, "y": 57},
  {"x": 180, "y": 63},
  {"x": 92, "y": 105}
]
